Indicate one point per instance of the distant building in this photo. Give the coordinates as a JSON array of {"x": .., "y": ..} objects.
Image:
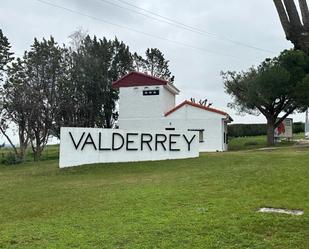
[{"x": 149, "y": 103}]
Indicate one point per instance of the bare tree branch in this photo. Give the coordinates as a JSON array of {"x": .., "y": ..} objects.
[
  {"x": 10, "y": 141},
  {"x": 280, "y": 120}
]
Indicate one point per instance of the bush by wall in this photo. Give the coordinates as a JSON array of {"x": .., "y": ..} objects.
[
  {"x": 244, "y": 130},
  {"x": 298, "y": 127}
]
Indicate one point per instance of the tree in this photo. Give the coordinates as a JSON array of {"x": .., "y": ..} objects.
[
  {"x": 77, "y": 38},
  {"x": 139, "y": 63},
  {"x": 45, "y": 69},
  {"x": 31, "y": 94},
  {"x": 278, "y": 85},
  {"x": 120, "y": 65},
  {"x": 16, "y": 104},
  {"x": 296, "y": 28},
  {"x": 5, "y": 54},
  {"x": 87, "y": 96},
  {"x": 154, "y": 64},
  {"x": 5, "y": 59}
]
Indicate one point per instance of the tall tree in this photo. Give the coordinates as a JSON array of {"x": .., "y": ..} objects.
[
  {"x": 87, "y": 91},
  {"x": 44, "y": 69},
  {"x": 295, "y": 25},
  {"x": 278, "y": 86},
  {"x": 155, "y": 64},
  {"x": 120, "y": 65},
  {"x": 139, "y": 63},
  {"x": 16, "y": 104},
  {"x": 6, "y": 56}
]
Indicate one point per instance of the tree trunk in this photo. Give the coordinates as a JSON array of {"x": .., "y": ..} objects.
[
  {"x": 284, "y": 19},
  {"x": 36, "y": 147},
  {"x": 305, "y": 13},
  {"x": 295, "y": 31},
  {"x": 293, "y": 14},
  {"x": 37, "y": 153},
  {"x": 22, "y": 152},
  {"x": 23, "y": 142},
  {"x": 270, "y": 132}
]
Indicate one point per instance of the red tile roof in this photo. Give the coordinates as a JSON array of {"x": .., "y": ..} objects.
[
  {"x": 186, "y": 102},
  {"x": 138, "y": 79}
]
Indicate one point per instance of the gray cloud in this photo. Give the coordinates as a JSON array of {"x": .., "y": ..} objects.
[{"x": 197, "y": 72}]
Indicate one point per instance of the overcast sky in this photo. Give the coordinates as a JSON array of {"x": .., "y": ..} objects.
[{"x": 197, "y": 71}]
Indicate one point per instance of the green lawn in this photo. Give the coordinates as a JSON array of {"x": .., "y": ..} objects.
[
  {"x": 207, "y": 202},
  {"x": 255, "y": 142}
]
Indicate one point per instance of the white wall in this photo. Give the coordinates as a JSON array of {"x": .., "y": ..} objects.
[
  {"x": 187, "y": 117},
  {"x": 146, "y": 113},
  {"x": 168, "y": 100},
  {"x": 132, "y": 103},
  {"x": 92, "y": 152}
]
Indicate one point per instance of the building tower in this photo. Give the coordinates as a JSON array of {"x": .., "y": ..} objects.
[{"x": 143, "y": 99}]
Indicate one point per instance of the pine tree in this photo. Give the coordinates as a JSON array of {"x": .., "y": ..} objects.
[
  {"x": 5, "y": 59},
  {"x": 88, "y": 92},
  {"x": 16, "y": 104},
  {"x": 156, "y": 64},
  {"x": 5, "y": 54},
  {"x": 44, "y": 71}
]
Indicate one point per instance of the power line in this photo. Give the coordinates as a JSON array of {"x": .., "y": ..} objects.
[
  {"x": 149, "y": 16},
  {"x": 190, "y": 28},
  {"x": 134, "y": 30}
]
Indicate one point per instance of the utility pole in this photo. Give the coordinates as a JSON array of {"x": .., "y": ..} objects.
[{"x": 307, "y": 125}]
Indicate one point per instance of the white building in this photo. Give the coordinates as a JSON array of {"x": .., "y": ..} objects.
[{"x": 149, "y": 103}]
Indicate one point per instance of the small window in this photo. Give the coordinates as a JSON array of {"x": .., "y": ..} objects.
[
  {"x": 200, "y": 134},
  {"x": 225, "y": 138},
  {"x": 151, "y": 92}
]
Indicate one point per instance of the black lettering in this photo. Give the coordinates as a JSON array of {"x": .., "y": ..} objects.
[
  {"x": 189, "y": 142},
  {"x": 90, "y": 142},
  {"x": 173, "y": 142},
  {"x": 146, "y": 141},
  {"x": 100, "y": 143},
  {"x": 113, "y": 141},
  {"x": 81, "y": 138},
  {"x": 160, "y": 142},
  {"x": 130, "y": 141}
]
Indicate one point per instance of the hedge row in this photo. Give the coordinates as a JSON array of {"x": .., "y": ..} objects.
[{"x": 243, "y": 130}]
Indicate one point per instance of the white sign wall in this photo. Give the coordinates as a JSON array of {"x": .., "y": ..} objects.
[{"x": 80, "y": 146}]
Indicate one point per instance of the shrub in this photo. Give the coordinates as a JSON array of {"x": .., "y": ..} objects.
[
  {"x": 298, "y": 127},
  {"x": 10, "y": 159},
  {"x": 244, "y": 130},
  {"x": 251, "y": 143}
]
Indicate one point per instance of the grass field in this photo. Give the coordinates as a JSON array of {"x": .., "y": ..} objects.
[
  {"x": 256, "y": 142},
  {"x": 207, "y": 202}
]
